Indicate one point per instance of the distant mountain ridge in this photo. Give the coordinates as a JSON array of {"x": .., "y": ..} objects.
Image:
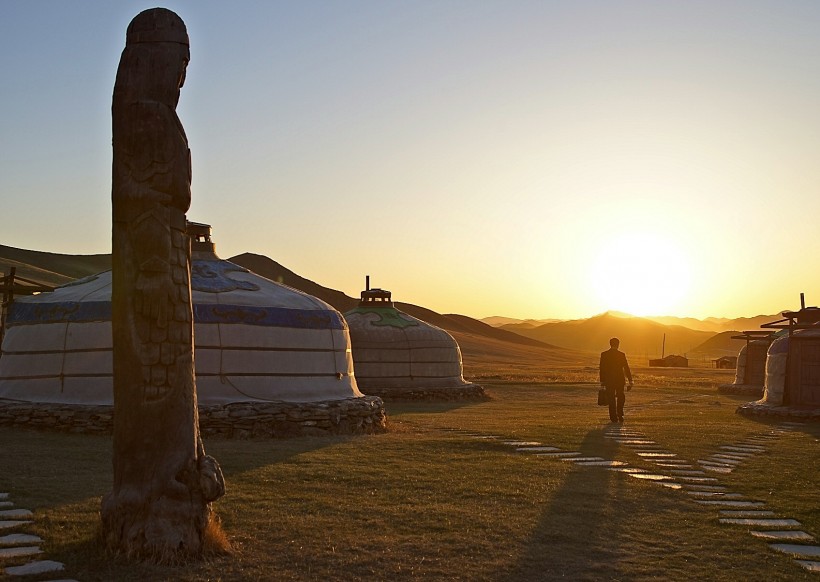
[
  {"x": 712, "y": 324},
  {"x": 639, "y": 336},
  {"x": 562, "y": 339}
]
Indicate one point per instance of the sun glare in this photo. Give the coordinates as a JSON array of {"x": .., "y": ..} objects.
[{"x": 641, "y": 274}]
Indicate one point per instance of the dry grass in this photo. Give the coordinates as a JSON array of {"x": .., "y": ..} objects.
[{"x": 419, "y": 502}]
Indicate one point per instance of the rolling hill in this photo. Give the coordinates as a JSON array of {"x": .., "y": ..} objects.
[{"x": 638, "y": 336}]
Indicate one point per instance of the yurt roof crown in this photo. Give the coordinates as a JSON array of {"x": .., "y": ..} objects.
[
  {"x": 375, "y": 297},
  {"x": 806, "y": 317}
]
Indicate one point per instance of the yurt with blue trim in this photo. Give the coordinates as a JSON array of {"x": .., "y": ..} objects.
[{"x": 255, "y": 340}]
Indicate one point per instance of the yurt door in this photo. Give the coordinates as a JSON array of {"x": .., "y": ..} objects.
[{"x": 805, "y": 372}]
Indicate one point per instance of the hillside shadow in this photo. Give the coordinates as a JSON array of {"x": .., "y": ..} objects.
[{"x": 577, "y": 536}]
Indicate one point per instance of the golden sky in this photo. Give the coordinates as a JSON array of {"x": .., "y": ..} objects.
[{"x": 529, "y": 159}]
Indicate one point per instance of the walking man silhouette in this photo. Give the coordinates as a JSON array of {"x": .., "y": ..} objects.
[{"x": 614, "y": 372}]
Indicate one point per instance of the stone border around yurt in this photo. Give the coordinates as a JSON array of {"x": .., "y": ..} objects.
[
  {"x": 764, "y": 409},
  {"x": 443, "y": 393},
  {"x": 747, "y": 389},
  {"x": 239, "y": 420}
]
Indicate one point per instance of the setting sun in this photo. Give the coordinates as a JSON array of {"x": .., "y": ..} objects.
[{"x": 641, "y": 273}]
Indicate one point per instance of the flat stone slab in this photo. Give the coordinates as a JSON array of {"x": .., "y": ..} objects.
[
  {"x": 39, "y": 567},
  {"x": 579, "y": 459},
  {"x": 601, "y": 463},
  {"x": 714, "y": 495},
  {"x": 713, "y": 463},
  {"x": 714, "y": 469},
  {"x": 4, "y": 495},
  {"x": 782, "y": 535},
  {"x": 559, "y": 455},
  {"x": 697, "y": 479},
  {"x": 687, "y": 473},
  {"x": 797, "y": 550},
  {"x": 809, "y": 565},
  {"x": 725, "y": 461},
  {"x": 19, "y": 539},
  {"x": 670, "y": 484},
  {"x": 657, "y": 455},
  {"x": 706, "y": 487},
  {"x": 6, "y": 504},
  {"x": 536, "y": 449},
  {"x": 12, "y": 524},
  {"x": 15, "y": 513},
  {"x": 486, "y": 436},
  {"x": 738, "y": 455},
  {"x": 634, "y": 442},
  {"x": 19, "y": 552},
  {"x": 679, "y": 466},
  {"x": 730, "y": 503},
  {"x": 741, "y": 449},
  {"x": 728, "y": 457},
  {"x": 746, "y": 513},
  {"x": 522, "y": 443},
  {"x": 629, "y": 469},
  {"x": 652, "y": 476}
]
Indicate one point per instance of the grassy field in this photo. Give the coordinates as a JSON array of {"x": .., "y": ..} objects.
[{"x": 426, "y": 503}]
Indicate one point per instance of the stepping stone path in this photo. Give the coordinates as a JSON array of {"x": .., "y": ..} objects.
[
  {"x": 16, "y": 547},
  {"x": 734, "y": 508}
]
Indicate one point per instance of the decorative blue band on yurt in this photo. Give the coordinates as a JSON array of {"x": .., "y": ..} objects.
[
  {"x": 88, "y": 311},
  {"x": 269, "y": 316},
  {"x": 21, "y": 313}
]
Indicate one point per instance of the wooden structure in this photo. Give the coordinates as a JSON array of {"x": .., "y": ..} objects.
[{"x": 11, "y": 285}]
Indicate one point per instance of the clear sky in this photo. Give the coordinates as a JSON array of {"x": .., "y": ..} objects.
[{"x": 521, "y": 158}]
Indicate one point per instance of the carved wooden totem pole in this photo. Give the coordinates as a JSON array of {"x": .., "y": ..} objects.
[{"x": 163, "y": 480}]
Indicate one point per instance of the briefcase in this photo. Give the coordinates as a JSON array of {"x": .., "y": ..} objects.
[{"x": 603, "y": 399}]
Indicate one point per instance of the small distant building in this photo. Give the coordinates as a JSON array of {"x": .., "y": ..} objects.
[
  {"x": 670, "y": 361},
  {"x": 725, "y": 363}
]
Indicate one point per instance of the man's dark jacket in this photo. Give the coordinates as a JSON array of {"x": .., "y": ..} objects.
[{"x": 614, "y": 369}]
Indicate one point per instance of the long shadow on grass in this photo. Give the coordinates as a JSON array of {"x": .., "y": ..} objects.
[
  {"x": 577, "y": 536},
  {"x": 46, "y": 469},
  {"x": 397, "y": 407}
]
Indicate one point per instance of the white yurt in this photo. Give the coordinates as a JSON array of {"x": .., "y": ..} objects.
[
  {"x": 255, "y": 340},
  {"x": 792, "y": 385},
  {"x": 398, "y": 355},
  {"x": 750, "y": 371},
  {"x": 793, "y": 369}
]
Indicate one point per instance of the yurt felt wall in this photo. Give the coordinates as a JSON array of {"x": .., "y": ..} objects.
[
  {"x": 255, "y": 340},
  {"x": 793, "y": 369},
  {"x": 397, "y": 354}
]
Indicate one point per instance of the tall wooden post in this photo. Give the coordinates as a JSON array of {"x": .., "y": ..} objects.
[{"x": 163, "y": 480}]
